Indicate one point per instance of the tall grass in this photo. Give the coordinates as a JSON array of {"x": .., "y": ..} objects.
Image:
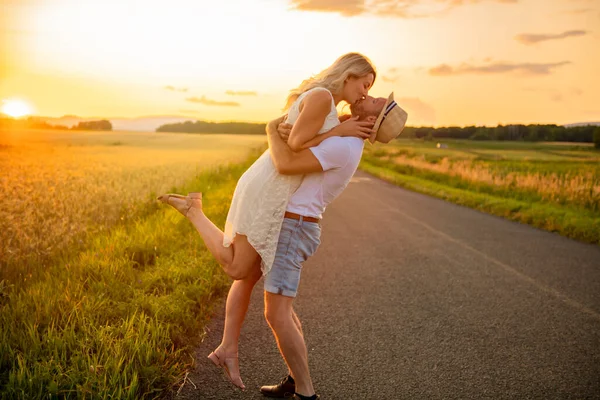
[
  {"x": 60, "y": 187},
  {"x": 558, "y": 180},
  {"x": 117, "y": 320},
  {"x": 580, "y": 187},
  {"x": 102, "y": 289}
]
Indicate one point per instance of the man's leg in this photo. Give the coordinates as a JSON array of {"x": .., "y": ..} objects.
[
  {"x": 299, "y": 326},
  {"x": 298, "y": 240},
  {"x": 279, "y": 315}
]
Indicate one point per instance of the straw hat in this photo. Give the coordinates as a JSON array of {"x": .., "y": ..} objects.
[{"x": 390, "y": 122}]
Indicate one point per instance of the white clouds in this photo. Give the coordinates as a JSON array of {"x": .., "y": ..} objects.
[
  {"x": 497, "y": 68},
  {"x": 387, "y": 8},
  {"x": 532, "y": 38}
]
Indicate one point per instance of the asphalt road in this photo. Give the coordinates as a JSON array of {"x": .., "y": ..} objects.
[{"x": 412, "y": 297}]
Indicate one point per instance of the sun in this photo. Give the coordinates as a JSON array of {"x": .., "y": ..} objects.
[{"x": 15, "y": 108}]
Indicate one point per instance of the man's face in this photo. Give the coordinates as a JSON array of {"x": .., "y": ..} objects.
[{"x": 369, "y": 106}]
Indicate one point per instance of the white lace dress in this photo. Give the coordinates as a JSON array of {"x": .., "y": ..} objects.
[{"x": 262, "y": 194}]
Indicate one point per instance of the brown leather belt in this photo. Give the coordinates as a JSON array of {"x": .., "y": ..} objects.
[{"x": 297, "y": 216}]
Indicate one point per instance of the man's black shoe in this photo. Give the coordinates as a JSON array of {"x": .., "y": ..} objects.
[
  {"x": 284, "y": 389},
  {"x": 296, "y": 397}
]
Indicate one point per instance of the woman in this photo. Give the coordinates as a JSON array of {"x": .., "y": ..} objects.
[{"x": 247, "y": 246}]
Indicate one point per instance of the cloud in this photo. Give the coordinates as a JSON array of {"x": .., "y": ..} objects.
[
  {"x": 346, "y": 8},
  {"x": 241, "y": 93},
  {"x": 580, "y": 11},
  {"x": 496, "y": 68},
  {"x": 554, "y": 94},
  {"x": 532, "y": 38},
  {"x": 389, "y": 8},
  {"x": 209, "y": 102},
  {"x": 176, "y": 89},
  {"x": 418, "y": 111},
  {"x": 391, "y": 75}
]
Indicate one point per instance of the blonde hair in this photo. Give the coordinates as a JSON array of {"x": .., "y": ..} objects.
[{"x": 333, "y": 77}]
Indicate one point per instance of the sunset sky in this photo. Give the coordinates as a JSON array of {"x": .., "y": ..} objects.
[{"x": 449, "y": 62}]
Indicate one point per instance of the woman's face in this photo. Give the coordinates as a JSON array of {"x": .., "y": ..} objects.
[{"x": 357, "y": 88}]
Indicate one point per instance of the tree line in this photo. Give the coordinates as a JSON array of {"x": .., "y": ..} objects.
[
  {"x": 533, "y": 133},
  {"x": 240, "y": 128},
  {"x": 33, "y": 123}
]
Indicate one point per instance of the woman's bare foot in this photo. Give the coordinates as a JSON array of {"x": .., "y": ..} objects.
[
  {"x": 195, "y": 201},
  {"x": 181, "y": 203},
  {"x": 229, "y": 362}
]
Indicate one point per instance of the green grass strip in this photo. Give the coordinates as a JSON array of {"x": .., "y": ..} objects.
[
  {"x": 117, "y": 320},
  {"x": 573, "y": 223}
]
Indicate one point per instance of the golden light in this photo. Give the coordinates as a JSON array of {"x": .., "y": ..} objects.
[{"x": 15, "y": 108}]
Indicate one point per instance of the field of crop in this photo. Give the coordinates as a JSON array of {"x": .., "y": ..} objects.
[
  {"x": 59, "y": 187},
  {"x": 554, "y": 186},
  {"x": 103, "y": 290}
]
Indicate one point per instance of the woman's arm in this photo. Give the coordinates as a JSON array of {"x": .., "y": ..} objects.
[
  {"x": 314, "y": 109},
  {"x": 288, "y": 162},
  {"x": 350, "y": 127},
  {"x": 319, "y": 138}
]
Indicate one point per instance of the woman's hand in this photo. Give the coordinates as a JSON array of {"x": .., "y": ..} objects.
[
  {"x": 352, "y": 127},
  {"x": 284, "y": 131}
]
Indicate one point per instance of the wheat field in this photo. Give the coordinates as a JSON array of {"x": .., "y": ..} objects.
[{"x": 58, "y": 187}]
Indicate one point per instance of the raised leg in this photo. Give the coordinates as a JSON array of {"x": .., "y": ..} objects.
[{"x": 238, "y": 259}]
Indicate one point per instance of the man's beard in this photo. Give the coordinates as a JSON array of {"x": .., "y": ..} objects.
[{"x": 355, "y": 110}]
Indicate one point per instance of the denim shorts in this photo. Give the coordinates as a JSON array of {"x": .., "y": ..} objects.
[{"x": 298, "y": 240}]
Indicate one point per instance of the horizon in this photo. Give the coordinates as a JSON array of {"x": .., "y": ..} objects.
[
  {"x": 449, "y": 63},
  {"x": 45, "y": 119}
]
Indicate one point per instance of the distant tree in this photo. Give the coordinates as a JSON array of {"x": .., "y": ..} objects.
[
  {"x": 27, "y": 123},
  {"x": 597, "y": 137},
  {"x": 480, "y": 134},
  {"x": 533, "y": 133},
  {"x": 214, "y": 127},
  {"x": 103, "y": 125},
  {"x": 500, "y": 133}
]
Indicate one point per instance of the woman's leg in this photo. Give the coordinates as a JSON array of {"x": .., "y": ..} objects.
[
  {"x": 238, "y": 259},
  {"x": 236, "y": 308}
]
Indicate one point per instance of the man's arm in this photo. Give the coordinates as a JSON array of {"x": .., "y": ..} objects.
[{"x": 287, "y": 161}]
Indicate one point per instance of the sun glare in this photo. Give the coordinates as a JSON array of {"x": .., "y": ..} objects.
[{"x": 15, "y": 108}]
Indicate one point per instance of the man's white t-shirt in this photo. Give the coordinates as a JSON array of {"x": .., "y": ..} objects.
[{"x": 339, "y": 157}]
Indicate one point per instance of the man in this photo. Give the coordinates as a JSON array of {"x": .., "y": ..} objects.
[{"x": 335, "y": 160}]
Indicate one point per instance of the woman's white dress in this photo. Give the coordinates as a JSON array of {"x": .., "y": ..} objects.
[{"x": 262, "y": 194}]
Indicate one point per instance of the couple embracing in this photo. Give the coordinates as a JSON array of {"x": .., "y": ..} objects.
[{"x": 274, "y": 221}]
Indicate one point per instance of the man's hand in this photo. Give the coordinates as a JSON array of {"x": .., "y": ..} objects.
[
  {"x": 284, "y": 130},
  {"x": 345, "y": 117}
]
